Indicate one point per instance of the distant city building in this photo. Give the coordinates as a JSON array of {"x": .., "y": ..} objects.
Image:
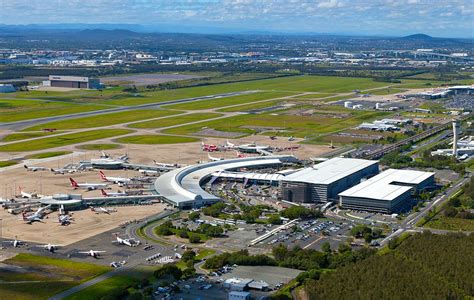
[
  {"x": 72, "y": 82},
  {"x": 7, "y": 88},
  {"x": 387, "y": 192}
]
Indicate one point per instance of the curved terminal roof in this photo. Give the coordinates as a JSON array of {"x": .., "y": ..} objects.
[{"x": 183, "y": 186}]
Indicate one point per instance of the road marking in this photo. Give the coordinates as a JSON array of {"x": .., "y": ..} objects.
[{"x": 313, "y": 242}]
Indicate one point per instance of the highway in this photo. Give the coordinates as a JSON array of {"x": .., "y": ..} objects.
[
  {"x": 18, "y": 125},
  {"x": 409, "y": 224}
]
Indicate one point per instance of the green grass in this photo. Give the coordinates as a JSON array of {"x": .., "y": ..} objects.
[
  {"x": 176, "y": 120},
  {"x": 313, "y": 96},
  {"x": 63, "y": 140},
  {"x": 447, "y": 223},
  {"x": 27, "y": 135},
  {"x": 106, "y": 119},
  {"x": 104, "y": 288},
  {"x": 228, "y": 101},
  {"x": 204, "y": 252},
  {"x": 252, "y": 106},
  {"x": 156, "y": 139},
  {"x": 99, "y": 146},
  {"x": 7, "y": 163},
  {"x": 306, "y": 83},
  {"x": 54, "y": 275},
  {"x": 48, "y": 154},
  {"x": 17, "y": 110},
  {"x": 300, "y": 126}
]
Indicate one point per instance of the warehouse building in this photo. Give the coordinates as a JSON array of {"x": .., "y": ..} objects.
[
  {"x": 388, "y": 192},
  {"x": 72, "y": 82},
  {"x": 324, "y": 181},
  {"x": 7, "y": 88}
]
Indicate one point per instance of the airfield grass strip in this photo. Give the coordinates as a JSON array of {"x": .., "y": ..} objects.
[
  {"x": 63, "y": 140},
  {"x": 156, "y": 139}
]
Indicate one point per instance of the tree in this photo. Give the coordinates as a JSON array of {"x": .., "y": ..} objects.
[
  {"x": 326, "y": 247},
  {"x": 280, "y": 252},
  {"x": 168, "y": 270},
  {"x": 194, "y": 238},
  {"x": 359, "y": 231},
  {"x": 275, "y": 220},
  {"x": 193, "y": 216},
  {"x": 188, "y": 255}
]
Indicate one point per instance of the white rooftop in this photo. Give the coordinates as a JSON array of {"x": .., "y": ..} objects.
[
  {"x": 330, "y": 171},
  {"x": 384, "y": 185}
]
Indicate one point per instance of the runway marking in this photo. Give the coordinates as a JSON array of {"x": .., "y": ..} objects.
[{"x": 313, "y": 242}]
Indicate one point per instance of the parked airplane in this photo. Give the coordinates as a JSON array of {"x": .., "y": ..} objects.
[
  {"x": 291, "y": 139},
  {"x": 229, "y": 145},
  {"x": 240, "y": 155},
  {"x": 34, "y": 169},
  {"x": 214, "y": 158},
  {"x": 50, "y": 247},
  {"x": 15, "y": 243},
  {"x": 149, "y": 172},
  {"x": 87, "y": 186},
  {"x": 104, "y": 210},
  {"x": 128, "y": 242},
  {"x": 114, "y": 179},
  {"x": 63, "y": 171},
  {"x": 64, "y": 220},
  {"x": 93, "y": 253},
  {"x": 37, "y": 216},
  {"x": 165, "y": 165},
  {"x": 118, "y": 194},
  {"x": 26, "y": 195}
]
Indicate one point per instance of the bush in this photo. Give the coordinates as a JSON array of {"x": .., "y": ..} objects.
[
  {"x": 194, "y": 238},
  {"x": 168, "y": 270},
  {"x": 300, "y": 212},
  {"x": 193, "y": 216}
]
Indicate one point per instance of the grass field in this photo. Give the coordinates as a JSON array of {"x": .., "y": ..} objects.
[
  {"x": 156, "y": 139},
  {"x": 447, "y": 223},
  {"x": 104, "y": 288},
  {"x": 295, "y": 84},
  {"x": 48, "y": 276},
  {"x": 252, "y": 106},
  {"x": 176, "y": 120},
  {"x": 7, "y": 163},
  {"x": 17, "y": 110},
  {"x": 99, "y": 146},
  {"x": 228, "y": 101},
  {"x": 63, "y": 140},
  {"x": 48, "y": 154},
  {"x": 106, "y": 119},
  {"x": 299, "y": 126},
  {"x": 27, "y": 135}
]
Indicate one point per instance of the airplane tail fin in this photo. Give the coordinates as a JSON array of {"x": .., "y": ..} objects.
[
  {"x": 25, "y": 166},
  {"x": 73, "y": 183},
  {"x": 103, "y": 193},
  {"x": 102, "y": 176}
]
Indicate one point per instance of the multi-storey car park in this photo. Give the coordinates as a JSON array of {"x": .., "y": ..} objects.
[{"x": 387, "y": 192}]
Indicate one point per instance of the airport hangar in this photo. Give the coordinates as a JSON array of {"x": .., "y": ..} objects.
[
  {"x": 387, "y": 192},
  {"x": 72, "y": 82}
]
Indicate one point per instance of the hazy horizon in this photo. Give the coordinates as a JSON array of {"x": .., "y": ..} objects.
[{"x": 339, "y": 17}]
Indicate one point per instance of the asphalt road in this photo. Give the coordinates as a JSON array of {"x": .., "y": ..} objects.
[
  {"x": 32, "y": 122},
  {"x": 133, "y": 260}
]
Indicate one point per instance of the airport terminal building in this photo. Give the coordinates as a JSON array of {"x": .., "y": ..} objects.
[
  {"x": 72, "y": 82},
  {"x": 324, "y": 181},
  {"x": 387, "y": 192}
]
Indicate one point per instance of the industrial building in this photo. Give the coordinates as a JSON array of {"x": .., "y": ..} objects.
[
  {"x": 72, "y": 82},
  {"x": 387, "y": 192},
  {"x": 324, "y": 181}
]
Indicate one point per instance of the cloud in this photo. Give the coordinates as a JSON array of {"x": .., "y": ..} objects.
[{"x": 330, "y": 4}]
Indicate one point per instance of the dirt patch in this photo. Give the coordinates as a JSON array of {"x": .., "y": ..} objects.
[{"x": 145, "y": 79}]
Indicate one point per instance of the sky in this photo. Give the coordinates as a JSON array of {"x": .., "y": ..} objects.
[{"x": 442, "y": 18}]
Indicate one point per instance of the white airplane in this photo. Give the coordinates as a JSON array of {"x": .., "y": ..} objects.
[
  {"x": 177, "y": 255},
  {"x": 63, "y": 171},
  {"x": 229, "y": 145},
  {"x": 114, "y": 179},
  {"x": 26, "y": 195},
  {"x": 34, "y": 169},
  {"x": 15, "y": 242},
  {"x": 64, "y": 220},
  {"x": 37, "y": 216},
  {"x": 165, "y": 165},
  {"x": 104, "y": 155},
  {"x": 149, "y": 172},
  {"x": 211, "y": 158},
  {"x": 93, "y": 253},
  {"x": 118, "y": 194},
  {"x": 128, "y": 242},
  {"x": 291, "y": 139},
  {"x": 50, "y": 247},
  {"x": 87, "y": 186},
  {"x": 103, "y": 210}
]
